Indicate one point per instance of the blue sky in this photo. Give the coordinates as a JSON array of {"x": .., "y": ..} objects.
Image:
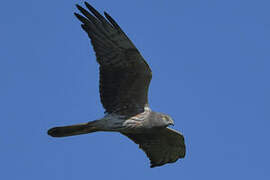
[{"x": 210, "y": 63}]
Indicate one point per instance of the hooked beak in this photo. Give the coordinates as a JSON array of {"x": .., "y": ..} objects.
[{"x": 171, "y": 122}]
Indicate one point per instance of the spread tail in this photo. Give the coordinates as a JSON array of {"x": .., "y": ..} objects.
[{"x": 72, "y": 130}]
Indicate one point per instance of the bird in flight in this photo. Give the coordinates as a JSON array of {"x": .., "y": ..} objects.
[{"x": 124, "y": 80}]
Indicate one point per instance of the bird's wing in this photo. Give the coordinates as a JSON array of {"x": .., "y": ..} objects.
[
  {"x": 124, "y": 74},
  {"x": 162, "y": 147}
]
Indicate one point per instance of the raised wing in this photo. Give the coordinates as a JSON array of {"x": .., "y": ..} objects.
[
  {"x": 162, "y": 147},
  {"x": 124, "y": 74}
]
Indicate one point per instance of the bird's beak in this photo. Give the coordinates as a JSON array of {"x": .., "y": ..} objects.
[{"x": 172, "y": 123}]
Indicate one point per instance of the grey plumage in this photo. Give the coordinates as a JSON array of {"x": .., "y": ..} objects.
[{"x": 124, "y": 80}]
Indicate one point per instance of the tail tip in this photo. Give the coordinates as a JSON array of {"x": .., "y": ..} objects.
[{"x": 54, "y": 132}]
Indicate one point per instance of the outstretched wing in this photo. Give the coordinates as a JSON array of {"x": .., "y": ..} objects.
[
  {"x": 162, "y": 147},
  {"x": 124, "y": 74}
]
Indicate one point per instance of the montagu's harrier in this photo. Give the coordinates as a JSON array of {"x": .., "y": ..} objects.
[{"x": 124, "y": 82}]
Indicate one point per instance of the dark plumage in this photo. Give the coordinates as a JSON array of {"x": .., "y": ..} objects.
[{"x": 124, "y": 80}]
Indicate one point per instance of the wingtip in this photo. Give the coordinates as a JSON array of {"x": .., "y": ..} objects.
[
  {"x": 81, "y": 18},
  {"x": 93, "y": 10},
  {"x": 153, "y": 165},
  {"x": 78, "y": 6},
  {"x": 76, "y": 14},
  {"x": 87, "y": 4}
]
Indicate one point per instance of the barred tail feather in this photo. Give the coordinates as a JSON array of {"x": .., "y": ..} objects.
[{"x": 72, "y": 130}]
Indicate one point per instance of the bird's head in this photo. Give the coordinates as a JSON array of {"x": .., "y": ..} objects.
[
  {"x": 167, "y": 120},
  {"x": 158, "y": 120}
]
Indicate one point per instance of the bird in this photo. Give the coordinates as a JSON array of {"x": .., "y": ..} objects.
[{"x": 124, "y": 78}]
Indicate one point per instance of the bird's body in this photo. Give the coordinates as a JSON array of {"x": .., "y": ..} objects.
[
  {"x": 124, "y": 80},
  {"x": 145, "y": 122}
]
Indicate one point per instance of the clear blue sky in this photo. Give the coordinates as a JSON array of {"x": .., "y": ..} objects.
[{"x": 210, "y": 62}]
